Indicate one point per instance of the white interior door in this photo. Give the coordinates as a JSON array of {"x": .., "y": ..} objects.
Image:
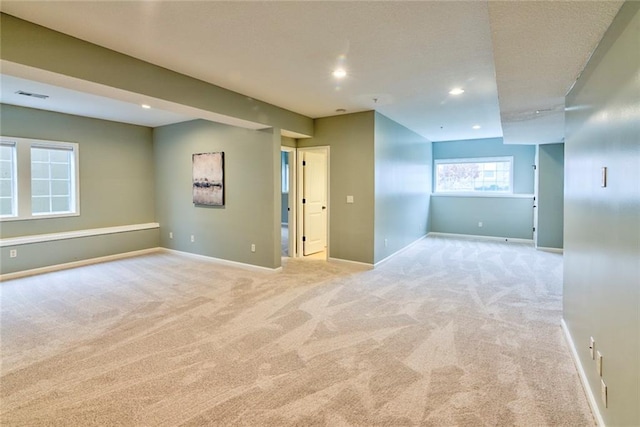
[{"x": 314, "y": 206}]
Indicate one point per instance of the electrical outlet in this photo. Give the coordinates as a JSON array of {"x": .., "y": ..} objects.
[
  {"x": 253, "y": 247},
  {"x": 592, "y": 348},
  {"x": 480, "y": 224},
  {"x": 193, "y": 238},
  {"x": 599, "y": 363},
  {"x": 171, "y": 234},
  {"x": 13, "y": 253},
  {"x": 603, "y": 392},
  {"x": 385, "y": 243}
]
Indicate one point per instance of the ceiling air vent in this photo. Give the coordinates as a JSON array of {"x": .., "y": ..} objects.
[{"x": 33, "y": 95}]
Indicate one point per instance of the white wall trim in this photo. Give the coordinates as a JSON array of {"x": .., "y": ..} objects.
[
  {"x": 476, "y": 237},
  {"x": 224, "y": 261},
  {"x": 485, "y": 194},
  {"x": 583, "y": 376},
  {"x": 40, "y": 238},
  {"x": 552, "y": 250},
  {"x": 74, "y": 264},
  {"x": 347, "y": 261},
  {"x": 399, "y": 251}
]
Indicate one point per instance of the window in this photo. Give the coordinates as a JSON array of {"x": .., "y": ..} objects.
[
  {"x": 39, "y": 179},
  {"x": 7, "y": 179},
  {"x": 479, "y": 175}
]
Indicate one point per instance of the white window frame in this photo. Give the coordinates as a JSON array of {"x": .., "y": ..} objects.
[
  {"x": 14, "y": 179},
  {"x": 22, "y": 170},
  {"x": 488, "y": 193}
]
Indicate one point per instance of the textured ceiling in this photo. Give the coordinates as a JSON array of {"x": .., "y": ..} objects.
[
  {"x": 402, "y": 57},
  {"x": 540, "y": 48}
]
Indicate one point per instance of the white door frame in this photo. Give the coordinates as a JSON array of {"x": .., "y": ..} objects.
[
  {"x": 300, "y": 220},
  {"x": 536, "y": 198},
  {"x": 293, "y": 189}
]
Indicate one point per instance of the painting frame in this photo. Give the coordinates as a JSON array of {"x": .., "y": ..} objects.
[{"x": 208, "y": 178}]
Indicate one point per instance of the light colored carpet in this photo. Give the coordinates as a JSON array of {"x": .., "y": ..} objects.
[{"x": 450, "y": 332}]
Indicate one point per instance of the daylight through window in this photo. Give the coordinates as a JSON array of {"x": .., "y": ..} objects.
[
  {"x": 51, "y": 182},
  {"x": 38, "y": 179},
  {"x": 7, "y": 179},
  {"x": 480, "y": 175}
]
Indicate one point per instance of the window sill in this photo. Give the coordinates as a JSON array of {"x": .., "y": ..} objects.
[
  {"x": 36, "y": 217},
  {"x": 39, "y": 238},
  {"x": 485, "y": 195}
]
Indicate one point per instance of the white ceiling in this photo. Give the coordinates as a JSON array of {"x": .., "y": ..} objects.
[
  {"x": 81, "y": 103},
  {"x": 512, "y": 58}
]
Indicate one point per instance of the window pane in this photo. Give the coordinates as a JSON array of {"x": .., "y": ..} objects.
[
  {"x": 59, "y": 156},
  {"x": 6, "y": 152},
  {"x": 61, "y": 204},
  {"x": 39, "y": 155},
  {"x": 60, "y": 188},
  {"x": 6, "y": 169},
  {"x": 40, "y": 187},
  {"x": 483, "y": 175},
  {"x": 6, "y": 188},
  {"x": 6, "y": 206},
  {"x": 51, "y": 180},
  {"x": 60, "y": 171},
  {"x": 40, "y": 205},
  {"x": 40, "y": 170},
  {"x": 7, "y": 180}
]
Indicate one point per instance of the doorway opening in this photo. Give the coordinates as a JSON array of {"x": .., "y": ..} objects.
[{"x": 288, "y": 208}]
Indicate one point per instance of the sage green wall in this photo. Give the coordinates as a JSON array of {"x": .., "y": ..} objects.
[
  {"x": 402, "y": 186},
  {"x": 602, "y": 225},
  {"x": 351, "y": 226},
  {"x": 116, "y": 183},
  {"x": 252, "y": 189},
  {"x": 503, "y": 217},
  {"x": 289, "y": 142},
  {"x": 35, "y": 46},
  {"x": 46, "y": 254},
  {"x": 508, "y": 217},
  {"x": 550, "y": 195}
]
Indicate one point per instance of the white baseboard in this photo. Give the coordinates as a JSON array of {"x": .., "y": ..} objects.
[
  {"x": 224, "y": 261},
  {"x": 74, "y": 264},
  {"x": 583, "y": 376},
  {"x": 477, "y": 237},
  {"x": 399, "y": 251},
  {"x": 347, "y": 261},
  {"x": 552, "y": 250}
]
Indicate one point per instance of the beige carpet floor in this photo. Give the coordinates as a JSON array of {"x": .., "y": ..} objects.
[{"x": 451, "y": 332}]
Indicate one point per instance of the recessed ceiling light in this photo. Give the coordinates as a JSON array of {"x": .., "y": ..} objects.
[
  {"x": 476, "y": 127},
  {"x": 339, "y": 73},
  {"x": 146, "y": 106},
  {"x": 456, "y": 91}
]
